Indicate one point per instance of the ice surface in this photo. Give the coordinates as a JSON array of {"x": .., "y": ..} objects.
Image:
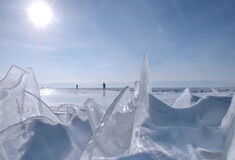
[
  {"x": 113, "y": 134},
  {"x": 55, "y": 97},
  {"x": 185, "y": 100}
]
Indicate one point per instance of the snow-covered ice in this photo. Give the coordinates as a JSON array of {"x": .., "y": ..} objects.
[
  {"x": 166, "y": 124},
  {"x": 186, "y": 99}
]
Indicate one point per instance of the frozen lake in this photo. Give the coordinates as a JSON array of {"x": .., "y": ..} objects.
[
  {"x": 143, "y": 128},
  {"x": 56, "y": 97}
]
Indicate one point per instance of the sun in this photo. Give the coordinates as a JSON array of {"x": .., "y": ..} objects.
[{"x": 40, "y": 13}]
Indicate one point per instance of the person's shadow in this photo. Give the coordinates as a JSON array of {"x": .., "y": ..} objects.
[{"x": 104, "y": 93}]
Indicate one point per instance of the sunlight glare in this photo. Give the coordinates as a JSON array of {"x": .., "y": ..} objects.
[{"x": 40, "y": 14}]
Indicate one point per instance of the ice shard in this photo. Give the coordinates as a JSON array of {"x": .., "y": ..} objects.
[
  {"x": 113, "y": 134},
  {"x": 45, "y": 109},
  {"x": 94, "y": 112},
  {"x": 32, "y": 84},
  {"x": 142, "y": 89},
  {"x": 20, "y": 98},
  {"x": 13, "y": 78},
  {"x": 32, "y": 105},
  {"x": 141, "y": 92},
  {"x": 66, "y": 112},
  {"x": 11, "y": 96},
  {"x": 185, "y": 100}
]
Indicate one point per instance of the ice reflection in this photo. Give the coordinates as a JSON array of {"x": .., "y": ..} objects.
[
  {"x": 47, "y": 91},
  {"x": 59, "y": 96}
]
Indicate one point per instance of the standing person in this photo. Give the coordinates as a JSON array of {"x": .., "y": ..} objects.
[
  {"x": 76, "y": 86},
  {"x": 104, "y": 86}
]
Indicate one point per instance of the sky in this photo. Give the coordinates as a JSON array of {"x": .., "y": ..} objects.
[{"x": 188, "y": 42}]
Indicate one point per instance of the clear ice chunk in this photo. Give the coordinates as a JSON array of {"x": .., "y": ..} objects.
[
  {"x": 20, "y": 98},
  {"x": 32, "y": 105},
  {"x": 11, "y": 96},
  {"x": 94, "y": 112},
  {"x": 45, "y": 109},
  {"x": 113, "y": 134},
  {"x": 141, "y": 91},
  {"x": 13, "y": 78}
]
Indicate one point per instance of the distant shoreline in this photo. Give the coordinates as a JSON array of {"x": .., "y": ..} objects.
[{"x": 154, "y": 89}]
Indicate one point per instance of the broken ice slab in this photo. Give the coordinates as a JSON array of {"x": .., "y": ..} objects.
[
  {"x": 14, "y": 77},
  {"x": 45, "y": 109},
  {"x": 19, "y": 98},
  {"x": 113, "y": 134},
  {"x": 12, "y": 95},
  {"x": 142, "y": 89},
  {"x": 66, "y": 112}
]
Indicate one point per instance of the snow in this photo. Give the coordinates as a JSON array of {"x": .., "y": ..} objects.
[
  {"x": 228, "y": 130},
  {"x": 169, "y": 124},
  {"x": 36, "y": 138}
]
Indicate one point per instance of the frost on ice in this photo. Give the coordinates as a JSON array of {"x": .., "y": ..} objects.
[{"x": 135, "y": 126}]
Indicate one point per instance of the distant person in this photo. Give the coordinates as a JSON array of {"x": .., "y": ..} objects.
[
  {"x": 104, "y": 86},
  {"x": 76, "y": 86}
]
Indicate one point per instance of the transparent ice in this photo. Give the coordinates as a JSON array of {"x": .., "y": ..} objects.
[{"x": 112, "y": 136}]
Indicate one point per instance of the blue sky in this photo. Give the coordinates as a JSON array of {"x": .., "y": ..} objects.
[{"x": 91, "y": 41}]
